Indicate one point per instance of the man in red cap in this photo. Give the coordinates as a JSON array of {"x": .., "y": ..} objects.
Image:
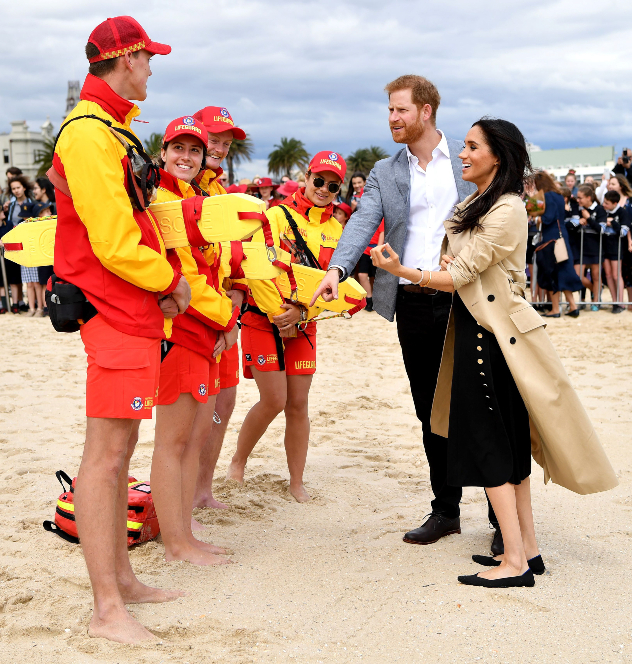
[
  {"x": 108, "y": 245},
  {"x": 221, "y": 132}
]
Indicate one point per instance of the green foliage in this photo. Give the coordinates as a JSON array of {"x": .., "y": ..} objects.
[
  {"x": 239, "y": 152},
  {"x": 290, "y": 154},
  {"x": 153, "y": 145},
  {"x": 363, "y": 159},
  {"x": 45, "y": 156}
]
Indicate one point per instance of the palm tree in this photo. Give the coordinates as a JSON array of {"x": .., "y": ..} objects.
[
  {"x": 239, "y": 152},
  {"x": 45, "y": 156},
  {"x": 153, "y": 144},
  {"x": 291, "y": 153},
  {"x": 363, "y": 159}
]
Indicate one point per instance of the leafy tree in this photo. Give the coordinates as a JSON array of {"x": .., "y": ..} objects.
[
  {"x": 290, "y": 154},
  {"x": 45, "y": 156},
  {"x": 239, "y": 152},
  {"x": 153, "y": 144},
  {"x": 363, "y": 159}
]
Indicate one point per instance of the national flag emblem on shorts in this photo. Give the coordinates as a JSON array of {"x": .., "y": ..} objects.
[
  {"x": 202, "y": 389},
  {"x": 137, "y": 403},
  {"x": 261, "y": 360}
]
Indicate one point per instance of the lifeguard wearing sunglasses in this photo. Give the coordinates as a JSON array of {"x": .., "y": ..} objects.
[{"x": 275, "y": 353}]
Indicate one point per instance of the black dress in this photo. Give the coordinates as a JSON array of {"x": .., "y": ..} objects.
[{"x": 489, "y": 441}]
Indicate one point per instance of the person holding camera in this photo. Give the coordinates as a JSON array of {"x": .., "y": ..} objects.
[{"x": 624, "y": 164}]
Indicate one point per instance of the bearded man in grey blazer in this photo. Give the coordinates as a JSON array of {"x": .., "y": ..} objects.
[{"x": 414, "y": 191}]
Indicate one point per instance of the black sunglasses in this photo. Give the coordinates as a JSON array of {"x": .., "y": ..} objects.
[{"x": 332, "y": 186}]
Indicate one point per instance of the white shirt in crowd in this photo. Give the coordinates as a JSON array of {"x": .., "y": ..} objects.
[{"x": 433, "y": 196}]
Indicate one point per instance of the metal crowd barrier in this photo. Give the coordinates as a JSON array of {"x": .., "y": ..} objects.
[{"x": 600, "y": 303}]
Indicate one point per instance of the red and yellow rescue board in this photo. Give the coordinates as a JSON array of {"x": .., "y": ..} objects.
[
  {"x": 31, "y": 243},
  {"x": 222, "y": 219},
  {"x": 308, "y": 280},
  {"x": 250, "y": 260}
]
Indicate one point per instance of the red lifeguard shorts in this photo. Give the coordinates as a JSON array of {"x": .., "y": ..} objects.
[
  {"x": 184, "y": 370},
  {"x": 123, "y": 372},
  {"x": 229, "y": 368},
  {"x": 259, "y": 350}
]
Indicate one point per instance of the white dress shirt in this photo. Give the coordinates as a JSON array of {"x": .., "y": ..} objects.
[{"x": 433, "y": 196}]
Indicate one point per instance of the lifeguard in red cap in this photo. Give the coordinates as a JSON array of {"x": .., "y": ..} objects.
[
  {"x": 189, "y": 372},
  {"x": 108, "y": 245},
  {"x": 281, "y": 358},
  {"x": 265, "y": 187},
  {"x": 221, "y": 133}
]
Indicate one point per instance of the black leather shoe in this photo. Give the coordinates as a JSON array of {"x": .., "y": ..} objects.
[
  {"x": 498, "y": 546},
  {"x": 573, "y": 314},
  {"x": 435, "y": 527},
  {"x": 524, "y": 581},
  {"x": 536, "y": 564}
]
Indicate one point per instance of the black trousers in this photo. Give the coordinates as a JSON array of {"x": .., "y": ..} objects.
[{"x": 422, "y": 321}]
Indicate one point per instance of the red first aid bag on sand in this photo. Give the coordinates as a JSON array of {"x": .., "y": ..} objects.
[{"x": 142, "y": 522}]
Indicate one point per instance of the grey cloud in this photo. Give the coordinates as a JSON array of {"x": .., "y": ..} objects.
[{"x": 316, "y": 71}]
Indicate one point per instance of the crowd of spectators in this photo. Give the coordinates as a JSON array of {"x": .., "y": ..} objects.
[{"x": 579, "y": 236}]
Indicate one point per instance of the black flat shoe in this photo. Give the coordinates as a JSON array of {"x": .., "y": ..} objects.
[
  {"x": 573, "y": 314},
  {"x": 550, "y": 315},
  {"x": 536, "y": 564},
  {"x": 524, "y": 581}
]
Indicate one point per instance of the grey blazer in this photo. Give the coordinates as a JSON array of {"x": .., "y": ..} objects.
[{"x": 387, "y": 195}]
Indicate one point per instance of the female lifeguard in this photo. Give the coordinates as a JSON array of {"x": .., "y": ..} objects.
[
  {"x": 189, "y": 373},
  {"x": 280, "y": 358}
]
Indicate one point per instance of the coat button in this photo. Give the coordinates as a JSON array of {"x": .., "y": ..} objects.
[
  {"x": 478, "y": 348},
  {"x": 512, "y": 340},
  {"x": 480, "y": 361},
  {"x": 482, "y": 374},
  {"x": 490, "y": 298},
  {"x": 479, "y": 335}
]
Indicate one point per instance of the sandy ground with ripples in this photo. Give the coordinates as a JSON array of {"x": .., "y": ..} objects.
[{"x": 331, "y": 580}]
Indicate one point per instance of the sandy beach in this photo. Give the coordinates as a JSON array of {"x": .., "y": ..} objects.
[{"x": 330, "y": 580}]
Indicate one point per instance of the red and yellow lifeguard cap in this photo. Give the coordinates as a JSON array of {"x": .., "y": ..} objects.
[
  {"x": 121, "y": 34},
  {"x": 328, "y": 161},
  {"x": 217, "y": 119}
]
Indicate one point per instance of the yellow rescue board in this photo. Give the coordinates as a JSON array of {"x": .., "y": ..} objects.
[
  {"x": 308, "y": 280},
  {"x": 219, "y": 222},
  {"x": 255, "y": 263},
  {"x": 36, "y": 239}
]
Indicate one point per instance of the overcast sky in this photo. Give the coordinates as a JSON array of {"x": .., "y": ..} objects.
[{"x": 315, "y": 70}]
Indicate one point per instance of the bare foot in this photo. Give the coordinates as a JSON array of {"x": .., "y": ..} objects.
[
  {"x": 120, "y": 627},
  {"x": 235, "y": 472},
  {"x": 207, "y": 500},
  {"x": 138, "y": 593},
  {"x": 300, "y": 493},
  {"x": 195, "y": 556},
  {"x": 503, "y": 571},
  {"x": 206, "y": 546},
  {"x": 196, "y": 525}
]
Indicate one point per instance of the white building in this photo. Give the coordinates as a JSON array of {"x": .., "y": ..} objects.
[
  {"x": 584, "y": 161},
  {"x": 21, "y": 147}
]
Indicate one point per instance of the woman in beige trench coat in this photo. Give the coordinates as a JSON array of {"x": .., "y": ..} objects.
[{"x": 532, "y": 406}]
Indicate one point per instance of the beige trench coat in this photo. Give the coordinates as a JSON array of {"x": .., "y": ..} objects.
[{"x": 488, "y": 273}]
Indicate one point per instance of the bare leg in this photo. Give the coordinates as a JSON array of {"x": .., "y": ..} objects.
[
  {"x": 272, "y": 398},
  {"x": 555, "y": 302},
  {"x": 30, "y": 290},
  {"x": 611, "y": 277},
  {"x": 173, "y": 430},
  {"x": 189, "y": 465},
  {"x": 95, "y": 500},
  {"x": 224, "y": 406},
  {"x": 594, "y": 275},
  {"x": 131, "y": 589},
  {"x": 40, "y": 292},
  {"x": 514, "y": 562},
  {"x": 365, "y": 282},
  {"x": 297, "y": 432}
]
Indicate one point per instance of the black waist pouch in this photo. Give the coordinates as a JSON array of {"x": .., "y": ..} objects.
[{"x": 68, "y": 307}]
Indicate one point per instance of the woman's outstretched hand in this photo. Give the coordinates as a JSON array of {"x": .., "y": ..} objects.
[{"x": 390, "y": 264}]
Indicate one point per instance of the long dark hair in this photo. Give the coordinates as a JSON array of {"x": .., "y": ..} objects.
[
  {"x": 507, "y": 144},
  {"x": 47, "y": 186}
]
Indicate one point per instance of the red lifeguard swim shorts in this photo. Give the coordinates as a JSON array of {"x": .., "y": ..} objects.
[
  {"x": 229, "y": 368},
  {"x": 123, "y": 372},
  {"x": 184, "y": 370},
  {"x": 259, "y": 350}
]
